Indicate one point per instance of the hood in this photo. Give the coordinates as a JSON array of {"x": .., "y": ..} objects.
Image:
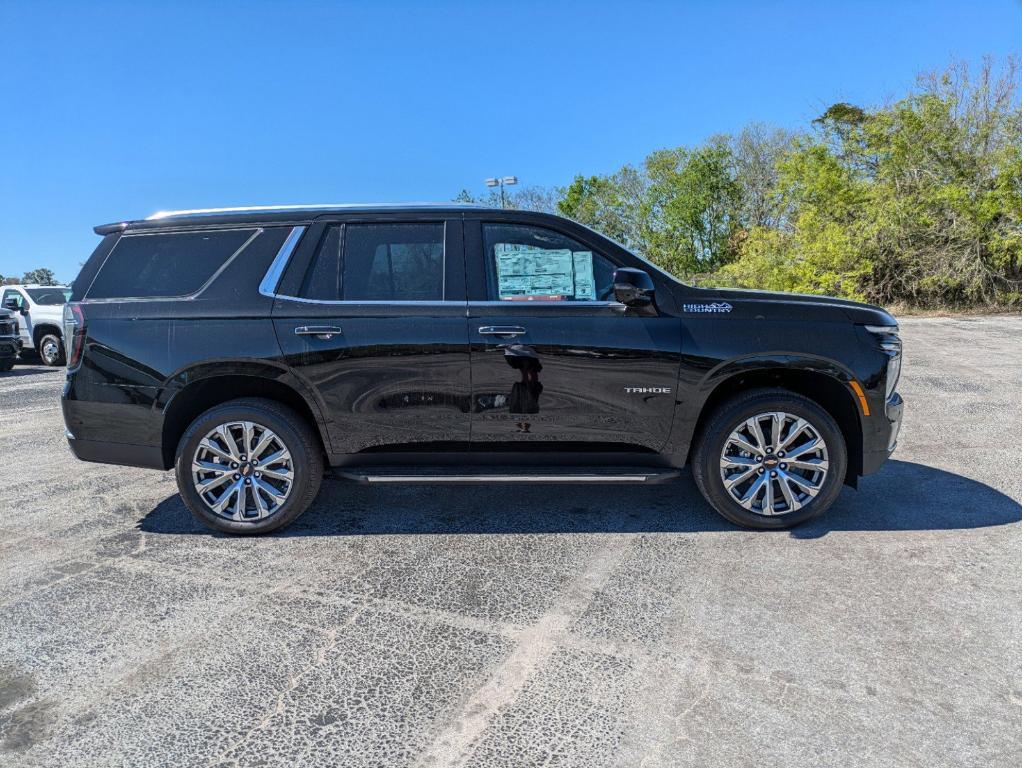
[
  {"x": 777, "y": 304},
  {"x": 5, "y": 314}
]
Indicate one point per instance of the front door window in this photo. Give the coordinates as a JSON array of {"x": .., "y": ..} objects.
[{"x": 527, "y": 263}]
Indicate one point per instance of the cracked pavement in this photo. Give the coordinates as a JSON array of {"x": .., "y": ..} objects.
[{"x": 518, "y": 626}]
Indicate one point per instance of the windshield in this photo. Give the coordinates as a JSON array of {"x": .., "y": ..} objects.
[{"x": 55, "y": 295}]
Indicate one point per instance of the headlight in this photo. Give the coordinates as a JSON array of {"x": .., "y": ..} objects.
[{"x": 890, "y": 343}]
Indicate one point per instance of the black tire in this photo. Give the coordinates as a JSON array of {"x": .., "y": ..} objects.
[
  {"x": 710, "y": 444},
  {"x": 51, "y": 349},
  {"x": 299, "y": 439},
  {"x": 6, "y": 365}
]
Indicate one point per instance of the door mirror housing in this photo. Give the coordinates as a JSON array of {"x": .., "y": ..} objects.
[{"x": 634, "y": 288}]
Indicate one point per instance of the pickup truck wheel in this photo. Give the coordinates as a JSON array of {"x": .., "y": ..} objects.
[
  {"x": 6, "y": 365},
  {"x": 51, "y": 350},
  {"x": 248, "y": 466},
  {"x": 770, "y": 459}
]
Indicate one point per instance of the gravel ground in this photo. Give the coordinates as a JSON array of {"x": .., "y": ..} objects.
[{"x": 519, "y": 626}]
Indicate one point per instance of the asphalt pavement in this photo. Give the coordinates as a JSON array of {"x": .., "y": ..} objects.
[{"x": 520, "y": 626}]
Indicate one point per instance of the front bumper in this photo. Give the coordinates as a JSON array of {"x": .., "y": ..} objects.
[
  {"x": 881, "y": 442},
  {"x": 9, "y": 348}
]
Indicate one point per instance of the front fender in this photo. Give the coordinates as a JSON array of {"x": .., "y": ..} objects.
[
  {"x": 798, "y": 361},
  {"x": 704, "y": 389}
]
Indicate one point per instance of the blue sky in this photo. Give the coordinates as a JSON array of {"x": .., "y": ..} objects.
[{"x": 114, "y": 110}]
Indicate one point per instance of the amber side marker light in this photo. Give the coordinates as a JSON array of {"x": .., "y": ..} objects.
[{"x": 857, "y": 387}]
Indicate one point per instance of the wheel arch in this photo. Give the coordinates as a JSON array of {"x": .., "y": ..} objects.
[
  {"x": 823, "y": 382},
  {"x": 41, "y": 329},
  {"x": 201, "y": 394}
]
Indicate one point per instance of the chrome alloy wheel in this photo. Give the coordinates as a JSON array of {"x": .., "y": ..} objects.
[
  {"x": 242, "y": 471},
  {"x": 774, "y": 463},
  {"x": 50, "y": 350}
]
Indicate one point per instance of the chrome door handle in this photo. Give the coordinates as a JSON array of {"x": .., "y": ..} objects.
[
  {"x": 501, "y": 330},
  {"x": 323, "y": 332}
]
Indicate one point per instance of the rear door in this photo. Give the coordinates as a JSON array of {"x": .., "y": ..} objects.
[
  {"x": 371, "y": 315},
  {"x": 555, "y": 360}
]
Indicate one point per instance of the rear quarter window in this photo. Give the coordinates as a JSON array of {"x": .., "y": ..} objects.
[{"x": 166, "y": 264}]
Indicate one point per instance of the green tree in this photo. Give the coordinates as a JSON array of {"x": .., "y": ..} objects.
[
  {"x": 609, "y": 204},
  {"x": 41, "y": 276},
  {"x": 758, "y": 150},
  {"x": 690, "y": 210},
  {"x": 918, "y": 202}
]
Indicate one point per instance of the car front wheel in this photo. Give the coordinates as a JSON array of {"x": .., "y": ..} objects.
[
  {"x": 248, "y": 466},
  {"x": 770, "y": 459}
]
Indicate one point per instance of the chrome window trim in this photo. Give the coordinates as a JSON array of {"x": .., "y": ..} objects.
[
  {"x": 545, "y": 303},
  {"x": 373, "y": 302},
  {"x": 181, "y": 297},
  {"x": 270, "y": 281}
]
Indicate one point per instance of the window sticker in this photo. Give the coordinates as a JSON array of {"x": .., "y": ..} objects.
[
  {"x": 527, "y": 273},
  {"x": 585, "y": 283}
]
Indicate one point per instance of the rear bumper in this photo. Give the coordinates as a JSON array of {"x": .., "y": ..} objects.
[
  {"x": 101, "y": 431},
  {"x": 881, "y": 442},
  {"x": 145, "y": 456}
]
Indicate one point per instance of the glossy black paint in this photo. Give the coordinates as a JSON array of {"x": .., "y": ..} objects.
[
  {"x": 635, "y": 289},
  {"x": 582, "y": 379}
]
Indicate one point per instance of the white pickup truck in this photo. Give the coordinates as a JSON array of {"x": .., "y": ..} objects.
[{"x": 41, "y": 309}]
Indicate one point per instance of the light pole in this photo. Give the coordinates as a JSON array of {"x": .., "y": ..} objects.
[{"x": 500, "y": 182}]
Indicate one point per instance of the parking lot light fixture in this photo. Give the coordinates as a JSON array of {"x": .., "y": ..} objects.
[{"x": 501, "y": 181}]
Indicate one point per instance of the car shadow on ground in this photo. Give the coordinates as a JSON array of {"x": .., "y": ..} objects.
[
  {"x": 18, "y": 371},
  {"x": 903, "y": 496}
]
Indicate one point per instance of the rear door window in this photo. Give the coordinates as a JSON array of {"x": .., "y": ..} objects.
[
  {"x": 377, "y": 262},
  {"x": 166, "y": 264}
]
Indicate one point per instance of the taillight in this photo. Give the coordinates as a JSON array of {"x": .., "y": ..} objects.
[{"x": 74, "y": 333}]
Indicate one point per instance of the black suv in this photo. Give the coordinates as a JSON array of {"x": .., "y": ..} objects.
[{"x": 249, "y": 348}]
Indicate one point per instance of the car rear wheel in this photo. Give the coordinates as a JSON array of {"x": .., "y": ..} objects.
[
  {"x": 248, "y": 466},
  {"x": 51, "y": 350},
  {"x": 6, "y": 365},
  {"x": 770, "y": 459}
]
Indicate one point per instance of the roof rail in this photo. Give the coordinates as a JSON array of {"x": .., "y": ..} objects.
[{"x": 312, "y": 207}]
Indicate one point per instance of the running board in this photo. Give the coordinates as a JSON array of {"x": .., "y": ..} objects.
[{"x": 606, "y": 475}]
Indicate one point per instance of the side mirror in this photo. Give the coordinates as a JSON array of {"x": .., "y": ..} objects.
[{"x": 634, "y": 288}]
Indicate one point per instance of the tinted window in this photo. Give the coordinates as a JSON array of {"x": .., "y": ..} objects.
[
  {"x": 323, "y": 279},
  {"x": 166, "y": 264},
  {"x": 378, "y": 262},
  {"x": 535, "y": 264},
  {"x": 49, "y": 296}
]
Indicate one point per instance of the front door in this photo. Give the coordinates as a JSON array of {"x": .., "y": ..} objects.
[
  {"x": 555, "y": 360},
  {"x": 371, "y": 316}
]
